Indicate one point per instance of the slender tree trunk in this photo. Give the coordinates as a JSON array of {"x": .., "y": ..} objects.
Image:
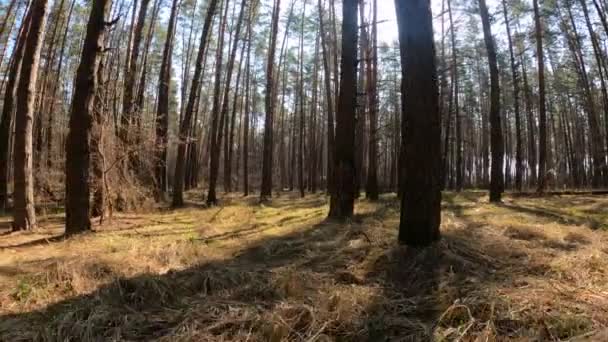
[
  {"x": 371, "y": 188},
  {"x": 217, "y": 118},
  {"x": 162, "y": 110},
  {"x": 24, "y": 213},
  {"x": 329, "y": 102},
  {"x": 266, "y": 191},
  {"x": 421, "y": 125},
  {"x": 247, "y": 109},
  {"x": 542, "y": 111},
  {"x": 518, "y": 138}
]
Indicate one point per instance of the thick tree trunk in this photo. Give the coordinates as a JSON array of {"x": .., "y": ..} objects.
[
  {"x": 496, "y": 138},
  {"x": 24, "y": 213},
  {"x": 421, "y": 125},
  {"x": 78, "y": 146},
  {"x": 343, "y": 199}
]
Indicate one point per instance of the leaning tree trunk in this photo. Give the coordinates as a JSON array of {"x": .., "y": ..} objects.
[
  {"x": 24, "y": 213},
  {"x": 78, "y": 146},
  {"x": 266, "y": 191},
  {"x": 421, "y": 125},
  {"x": 343, "y": 199},
  {"x": 496, "y": 139}
]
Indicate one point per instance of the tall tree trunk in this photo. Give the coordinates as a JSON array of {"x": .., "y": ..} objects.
[
  {"x": 162, "y": 110},
  {"x": 217, "y": 118},
  {"x": 343, "y": 199},
  {"x": 301, "y": 107},
  {"x": 247, "y": 109},
  {"x": 421, "y": 125},
  {"x": 371, "y": 188},
  {"x": 226, "y": 100},
  {"x": 24, "y": 213},
  {"x": 8, "y": 107},
  {"x": 518, "y": 143},
  {"x": 180, "y": 161},
  {"x": 496, "y": 139},
  {"x": 78, "y": 146},
  {"x": 328, "y": 101},
  {"x": 542, "y": 111},
  {"x": 266, "y": 191}
]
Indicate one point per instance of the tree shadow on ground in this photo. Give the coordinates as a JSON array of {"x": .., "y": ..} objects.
[
  {"x": 324, "y": 281},
  {"x": 554, "y": 215}
]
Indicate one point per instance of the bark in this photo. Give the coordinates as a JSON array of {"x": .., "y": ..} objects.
[
  {"x": 421, "y": 125},
  {"x": 496, "y": 138},
  {"x": 24, "y": 214},
  {"x": 81, "y": 116},
  {"x": 343, "y": 199}
]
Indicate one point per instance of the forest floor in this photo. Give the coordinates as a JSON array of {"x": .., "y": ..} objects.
[{"x": 527, "y": 269}]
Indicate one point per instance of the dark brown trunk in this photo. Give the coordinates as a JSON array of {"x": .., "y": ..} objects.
[
  {"x": 343, "y": 199},
  {"x": 421, "y": 125},
  {"x": 496, "y": 138}
]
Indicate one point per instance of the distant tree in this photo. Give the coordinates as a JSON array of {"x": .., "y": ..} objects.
[
  {"x": 421, "y": 138},
  {"x": 180, "y": 161}
]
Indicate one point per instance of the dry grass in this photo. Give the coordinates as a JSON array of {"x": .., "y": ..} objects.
[{"x": 529, "y": 269}]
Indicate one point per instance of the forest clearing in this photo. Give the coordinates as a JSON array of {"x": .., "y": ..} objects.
[{"x": 530, "y": 268}]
